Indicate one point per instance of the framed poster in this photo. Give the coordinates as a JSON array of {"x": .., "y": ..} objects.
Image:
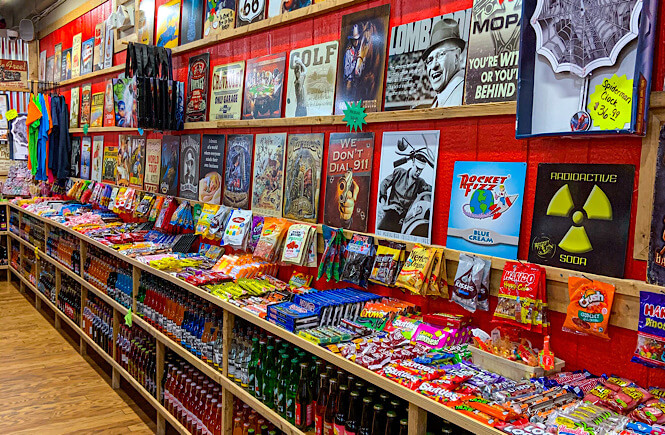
[
  {"x": 191, "y": 24},
  {"x": 42, "y": 65},
  {"x": 18, "y": 138},
  {"x": 57, "y": 67},
  {"x": 97, "y": 109},
  {"x": 427, "y": 62},
  {"x": 74, "y": 101},
  {"x": 348, "y": 180},
  {"x": 238, "y": 170},
  {"x": 278, "y": 7},
  {"x": 190, "y": 149},
  {"x": 76, "y": 55},
  {"x": 98, "y": 51},
  {"x": 311, "y": 80},
  {"x": 211, "y": 168},
  {"x": 226, "y": 98},
  {"x": 406, "y": 185},
  {"x": 97, "y": 158},
  {"x": 108, "y": 44},
  {"x": 304, "y": 156},
  {"x": 196, "y": 106},
  {"x": 486, "y": 208},
  {"x": 264, "y": 86},
  {"x": 15, "y": 74},
  {"x": 66, "y": 70},
  {"x": 168, "y": 24},
  {"x": 109, "y": 105},
  {"x": 582, "y": 213},
  {"x": 361, "y": 64},
  {"x": 86, "y": 157},
  {"x": 87, "y": 50},
  {"x": 153, "y": 155},
  {"x": 168, "y": 175},
  {"x": 50, "y": 68},
  {"x": 123, "y": 168},
  {"x": 86, "y": 102},
  {"x": 4, "y": 107},
  {"x": 220, "y": 15},
  {"x": 75, "y": 162},
  {"x": 268, "y": 182}
]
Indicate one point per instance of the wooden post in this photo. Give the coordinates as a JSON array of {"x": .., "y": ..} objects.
[
  {"x": 161, "y": 424},
  {"x": 115, "y": 375},
  {"x": 228, "y": 321},
  {"x": 227, "y": 411},
  {"x": 136, "y": 279},
  {"x": 159, "y": 375},
  {"x": 33, "y": 60},
  {"x": 417, "y": 420},
  {"x": 58, "y": 284},
  {"x": 83, "y": 347}
]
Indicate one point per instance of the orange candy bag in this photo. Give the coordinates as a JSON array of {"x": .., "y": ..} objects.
[{"x": 589, "y": 308}]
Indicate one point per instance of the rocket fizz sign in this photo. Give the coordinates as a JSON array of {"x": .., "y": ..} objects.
[{"x": 486, "y": 208}]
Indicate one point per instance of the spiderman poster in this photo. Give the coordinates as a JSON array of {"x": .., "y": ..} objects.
[{"x": 581, "y": 217}]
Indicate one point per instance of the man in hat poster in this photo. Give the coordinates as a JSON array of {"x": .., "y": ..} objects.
[
  {"x": 352, "y": 67},
  {"x": 399, "y": 190},
  {"x": 445, "y": 64}
]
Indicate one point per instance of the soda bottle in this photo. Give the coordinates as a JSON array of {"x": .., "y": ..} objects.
[
  {"x": 352, "y": 423},
  {"x": 291, "y": 390},
  {"x": 378, "y": 421},
  {"x": 283, "y": 382},
  {"x": 260, "y": 370},
  {"x": 404, "y": 427},
  {"x": 251, "y": 366},
  {"x": 342, "y": 409},
  {"x": 331, "y": 407},
  {"x": 366, "y": 418},
  {"x": 321, "y": 402},
  {"x": 392, "y": 424},
  {"x": 269, "y": 377},
  {"x": 302, "y": 399}
]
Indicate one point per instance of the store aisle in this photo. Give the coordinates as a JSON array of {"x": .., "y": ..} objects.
[{"x": 46, "y": 386}]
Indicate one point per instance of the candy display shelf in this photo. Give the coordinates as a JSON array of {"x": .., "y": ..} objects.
[{"x": 418, "y": 405}]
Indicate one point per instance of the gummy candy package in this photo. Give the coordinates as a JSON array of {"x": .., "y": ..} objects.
[{"x": 650, "y": 349}]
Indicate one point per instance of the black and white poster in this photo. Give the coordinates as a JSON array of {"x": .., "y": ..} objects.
[
  {"x": 75, "y": 168},
  {"x": 190, "y": 147},
  {"x": 427, "y": 62},
  {"x": 406, "y": 185},
  {"x": 494, "y": 49}
]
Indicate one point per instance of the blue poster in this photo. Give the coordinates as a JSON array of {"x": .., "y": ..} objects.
[{"x": 486, "y": 208}]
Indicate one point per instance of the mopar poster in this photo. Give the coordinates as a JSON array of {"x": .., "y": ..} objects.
[
  {"x": 486, "y": 208},
  {"x": 581, "y": 217}
]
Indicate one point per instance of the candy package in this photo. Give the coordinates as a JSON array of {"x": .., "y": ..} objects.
[
  {"x": 271, "y": 238},
  {"x": 296, "y": 244},
  {"x": 360, "y": 251},
  {"x": 236, "y": 233},
  {"x": 387, "y": 262},
  {"x": 518, "y": 295},
  {"x": 257, "y": 229},
  {"x": 650, "y": 349},
  {"x": 467, "y": 282},
  {"x": 332, "y": 260},
  {"x": 484, "y": 289},
  {"x": 203, "y": 224},
  {"x": 589, "y": 308},
  {"x": 416, "y": 269}
]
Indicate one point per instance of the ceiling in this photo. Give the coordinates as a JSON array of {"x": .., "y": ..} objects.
[{"x": 15, "y": 10}]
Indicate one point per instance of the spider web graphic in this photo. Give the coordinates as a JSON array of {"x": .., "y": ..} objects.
[{"x": 581, "y": 35}]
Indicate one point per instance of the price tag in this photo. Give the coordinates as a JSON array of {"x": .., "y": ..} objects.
[
  {"x": 248, "y": 10},
  {"x": 85, "y": 128},
  {"x": 611, "y": 103},
  {"x": 11, "y": 114},
  {"x": 354, "y": 116},
  {"x": 128, "y": 318}
]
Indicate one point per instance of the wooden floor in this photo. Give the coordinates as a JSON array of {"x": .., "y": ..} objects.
[{"x": 47, "y": 387}]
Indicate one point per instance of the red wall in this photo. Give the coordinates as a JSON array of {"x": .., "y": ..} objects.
[{"x": 489, "y": 138}]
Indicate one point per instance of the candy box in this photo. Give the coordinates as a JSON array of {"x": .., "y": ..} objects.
[
  {"x": 511, "y": 369},
  {"x": 436, "y": 337}
]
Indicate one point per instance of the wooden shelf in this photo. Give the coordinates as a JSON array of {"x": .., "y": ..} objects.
[{"x": 4, "y": 89}]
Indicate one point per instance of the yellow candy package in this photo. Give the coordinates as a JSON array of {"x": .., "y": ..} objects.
[
  {"x": 437, "y": 284},
  {"x": 416, "y": 269},
  {"x": 203, "y": 224}
]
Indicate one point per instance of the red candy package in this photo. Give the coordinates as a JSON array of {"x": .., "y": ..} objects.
[
  {"x": 653, "y": 413},
  {"x": 520, "y": 298},
  {"x": 442, "y": 395}
]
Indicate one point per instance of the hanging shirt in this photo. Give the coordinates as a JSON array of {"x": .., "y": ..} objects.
[
  {"x": 41, "y": 141},
  {"x": 32, "y": 122},
  {"x": 64, "y": 156},
  {"x": 54, "y": 136},
  {"x": 49, "y": 172}
]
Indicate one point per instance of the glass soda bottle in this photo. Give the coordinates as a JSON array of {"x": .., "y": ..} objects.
[
  {"x": 342, "y": 409},
  {"x": 366, "y": 418},
  {"x": 302, "y": 398},
  {"x": 331, "y": 406},
  {"x": 291, "y": 389},
  {"x": 321, "y": 402},
  {"x": 352, "y": 423}
]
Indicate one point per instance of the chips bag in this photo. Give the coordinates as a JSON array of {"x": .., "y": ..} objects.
[
  {"x": 416, "y": 270},
  {"x": 589, "y": 308}
]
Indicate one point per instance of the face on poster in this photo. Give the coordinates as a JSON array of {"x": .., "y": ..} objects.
[
  {"x": 268, "y": 180},
  {"x": 238, "y": 173},
  {"x": 486, "y": 208},
  {"x": 406, "y": 185}
]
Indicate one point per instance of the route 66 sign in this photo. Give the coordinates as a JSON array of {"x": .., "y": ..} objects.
[{"x": 250, "y": 11}]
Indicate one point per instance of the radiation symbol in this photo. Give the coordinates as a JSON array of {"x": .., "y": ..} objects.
[{"x": 597, "y": 206}]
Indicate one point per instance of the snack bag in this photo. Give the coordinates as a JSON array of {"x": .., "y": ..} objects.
[
  {"x": 484, "y": 289},
  {"x": 517, "y": 295},
  {"x": 360, "y": 250},
  {"x": 257, "y": 229},
  {"x": 273, "y": 230},
  {"x": 589, "y": 308},
  {"x": 296, "y": 243},
  {"x": 416, "y": 270},
  {"x": 431, "y": 288},
  {"x": 203, "y": 224},
  {"x": 237, "y": 229},
  {"x": 650, "y": 349},
  {"x": 387, "y": 262},
  {"x": 467, "y": 282}
]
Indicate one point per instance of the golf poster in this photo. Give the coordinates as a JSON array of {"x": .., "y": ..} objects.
[{"x": 486, "y": 208}]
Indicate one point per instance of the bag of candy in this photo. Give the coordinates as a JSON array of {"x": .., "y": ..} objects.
[
  {"x": 416, "y": 270},
  {"x": 650, "y": 349},
  {"x": 271, "y": 236},
  {"x": 387, "y": 262},
  {"x": 236, "y": 233},
  {"x": 467, "y": 282},
  {"x": 518, "y": 293},
  {"x": 589, "y": 308},
  {"x": 484, "y": 289},
  {"x": 360, "y": 250}
]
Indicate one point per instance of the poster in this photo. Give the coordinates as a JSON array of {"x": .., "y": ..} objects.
[
  {"x": 4, "y": 107},
  {"x": 98, "y": 50},
  {"x": 146, "y": 21},
  {"x": 87, "y": 49},
  {"x": 75, "y": 163},
  {"x": 656, "y": 264},
  {"x": 211, "y": 168},
  {"x": 582, "y": 213},
  {"x": 226, "y": 98},
  {"x": 66, "y": 70},
  {"x": 264, "y": 85},
  {"x": 42, "y": 65},
  {"x": 191, "y": 24},
  {"x": 311, "y": 80},
  {"x": 220, "y": 15},
  {"x": 406, "y": 185},
  {"x": 18, "y": 138},
  {"x": 250, "y": 11},
  {"x": 153, "y": 154},
  {"x": 427, "y": 62},
  {"x": 190, "y": 147},
  {"x": 109, "y": 105},
  {"x": 86, "y": 154},
  {"x": 238, "y": 170},
  {"x": 168, "y": 23},
  {"x": 123, "y": 168},
  {"x": 304, "y": 155},
  {"x": 168, "y": 175},
  {"x": 86, "y": 101},
  {"x": 197, "y": 88},
  {"x": 109, "y": 163},
  {"x": 348, "y": 180},
  {"x": 15, "y": 74},
  {"x": 486, "y": 208},
  {"x": 74, "y": 107},
  {"x": 50, "y": 67},
  {"x": 57, "y": 63},
  {"x": 76, "y": 55},
  {"x": 97, "y": 109},
  {"x": 362, "y": 60},
  {"x": 277, "y": 7},
  {"x": 268, "y": 180},
  {"x": 137, "y": 161},
  {"x": 125, "y": 103},
  {"x": 97, "y": 158},
  {"x": 108, "y": 44}
]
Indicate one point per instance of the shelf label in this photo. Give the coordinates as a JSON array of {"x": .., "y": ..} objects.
[{"x": 611, "y": 104}]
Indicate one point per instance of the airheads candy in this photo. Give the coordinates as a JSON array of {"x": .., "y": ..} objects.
[{"x": 436, "y": 338}]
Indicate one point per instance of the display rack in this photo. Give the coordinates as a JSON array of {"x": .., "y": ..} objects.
[{"x": 418, "y": 405}]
